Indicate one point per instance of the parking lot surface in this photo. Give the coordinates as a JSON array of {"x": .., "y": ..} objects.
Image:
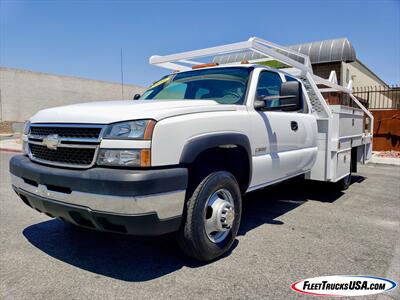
[{"x": 289, "y": 232}]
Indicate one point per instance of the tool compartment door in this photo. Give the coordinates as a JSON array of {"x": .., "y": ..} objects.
[{"x": 351, "y": 120}]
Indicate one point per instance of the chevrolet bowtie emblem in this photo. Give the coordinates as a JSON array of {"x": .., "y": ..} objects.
[{"x": 51, "y": 141}]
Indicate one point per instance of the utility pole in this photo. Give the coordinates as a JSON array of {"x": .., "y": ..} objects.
[{"x": 122, "y": 76}]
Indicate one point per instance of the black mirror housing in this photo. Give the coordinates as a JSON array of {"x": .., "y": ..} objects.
[
  {"x": 291, "y": 90},
  {"x": 136, "y": 97}
]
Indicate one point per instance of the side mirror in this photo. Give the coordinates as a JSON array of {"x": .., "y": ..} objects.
[
  {"x": 259, "y": 104},
  {"x": 290, "y": 98},
  {"x": 136, "y": 97}
]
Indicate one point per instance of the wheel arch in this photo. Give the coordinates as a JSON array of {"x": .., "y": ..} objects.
[{"x": 199, "y": 145}]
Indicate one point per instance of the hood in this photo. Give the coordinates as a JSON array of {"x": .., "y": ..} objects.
[{"x": 115, "y": 111}]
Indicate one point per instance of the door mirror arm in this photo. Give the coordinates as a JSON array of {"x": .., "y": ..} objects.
[
  {"x": 280, "y": 107},
  {"x": 260, "y": 105},
  {"x": 266, "y": 98}
]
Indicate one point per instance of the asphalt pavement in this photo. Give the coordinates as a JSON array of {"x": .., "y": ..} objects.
[{"x": 289, "y": 232}]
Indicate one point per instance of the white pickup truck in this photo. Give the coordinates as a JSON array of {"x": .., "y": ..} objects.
[{"x": 180, "y": 157}]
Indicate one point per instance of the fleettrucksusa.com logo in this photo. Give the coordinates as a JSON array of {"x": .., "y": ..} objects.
[{"x": 343, "y": 285}]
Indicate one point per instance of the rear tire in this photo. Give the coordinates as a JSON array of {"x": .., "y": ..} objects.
[
  {"x": 213, "y": 215},
  {"x": 344, "y": 183}
]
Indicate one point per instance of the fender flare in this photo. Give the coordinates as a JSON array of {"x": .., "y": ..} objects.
[{"x": 197, "y": 145}]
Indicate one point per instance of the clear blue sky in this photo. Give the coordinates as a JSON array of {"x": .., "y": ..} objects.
[{"x": 83, "y": 38}]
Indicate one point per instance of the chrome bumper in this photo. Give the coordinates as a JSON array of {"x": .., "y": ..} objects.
[{"x": 165, "y": 205}]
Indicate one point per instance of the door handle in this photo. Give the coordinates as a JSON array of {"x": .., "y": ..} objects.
[{"x": 294, "y": 125}]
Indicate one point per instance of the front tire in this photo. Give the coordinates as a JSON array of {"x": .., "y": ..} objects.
[{"x": 213, "y": 215}]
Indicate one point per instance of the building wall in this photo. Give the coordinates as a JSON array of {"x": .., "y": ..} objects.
[
  {"x": 355, "y": 71},
  {"x": 362, "y": 77},
  {"x": 324, "y": 70},
  {"x": 23, "y": 93}
]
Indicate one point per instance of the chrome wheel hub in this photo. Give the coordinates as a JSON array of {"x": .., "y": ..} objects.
[{"x": 219, "y": 215}]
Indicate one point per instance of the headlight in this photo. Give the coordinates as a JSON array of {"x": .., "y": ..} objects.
[
  {"x": 136, "y": 130},
  {"x": 124, "y": 157},
  {"x": 27, "y": 127}
]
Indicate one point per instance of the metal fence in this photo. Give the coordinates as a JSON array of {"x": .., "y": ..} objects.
[{"x": 379, "y": 97}]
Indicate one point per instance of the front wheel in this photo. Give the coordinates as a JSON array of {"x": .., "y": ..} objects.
[{"x": 212, "y": 217}]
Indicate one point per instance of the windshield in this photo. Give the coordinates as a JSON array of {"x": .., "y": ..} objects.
[{"x": 224, "y": 85}]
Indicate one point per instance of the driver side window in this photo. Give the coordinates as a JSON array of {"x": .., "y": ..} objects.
[{"x": 269, "y": 84}]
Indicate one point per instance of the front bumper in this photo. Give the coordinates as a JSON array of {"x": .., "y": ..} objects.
[{"x": 141, "y": 202}]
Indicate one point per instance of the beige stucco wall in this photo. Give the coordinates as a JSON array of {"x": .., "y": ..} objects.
[
  {"x": 23, "y": 93},
  {"x": 359, "y": 74},
  {"x": 362, "y": 78}
]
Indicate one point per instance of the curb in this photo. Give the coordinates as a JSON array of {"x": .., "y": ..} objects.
[
  {"x": 385, "y": 161},
  {"x": 10, "y": 150}
]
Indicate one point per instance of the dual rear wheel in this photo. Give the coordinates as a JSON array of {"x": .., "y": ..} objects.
[{"x": 344, "y": 183}]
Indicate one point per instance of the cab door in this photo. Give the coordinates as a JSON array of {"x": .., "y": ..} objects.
[{"x": 288, "y": 138}]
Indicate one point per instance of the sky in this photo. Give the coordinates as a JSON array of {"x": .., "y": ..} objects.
[{"x": 84, "y": 38}]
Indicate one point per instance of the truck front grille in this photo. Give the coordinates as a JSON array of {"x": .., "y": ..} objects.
[
  {"x": 65, "y": 145},
  {"x": 66, "y": 131},
  {"x": 65, "y": 156}
]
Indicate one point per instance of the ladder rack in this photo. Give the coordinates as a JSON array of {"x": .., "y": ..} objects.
[{"x": 255, "y": 50}]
